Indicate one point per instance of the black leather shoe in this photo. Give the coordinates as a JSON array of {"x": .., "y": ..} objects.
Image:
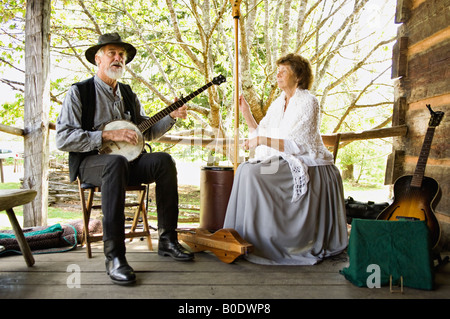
[
  {"x": 169, "y": 246},
  {"x": 119, "y": 271},
  {"x": 116, "y": 264}
]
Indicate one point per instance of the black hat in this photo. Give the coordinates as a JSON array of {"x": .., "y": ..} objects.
[{"x": 110, "y": 38}]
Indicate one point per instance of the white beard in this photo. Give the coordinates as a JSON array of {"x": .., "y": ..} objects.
[{"x": 114, "y": 74}]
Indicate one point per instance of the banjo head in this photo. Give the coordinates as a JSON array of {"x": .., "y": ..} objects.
[{"x": 130, "y": 151}]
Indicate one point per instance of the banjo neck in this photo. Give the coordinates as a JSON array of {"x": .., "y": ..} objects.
[
  {"x": 147, "y": 124},
  {"x": 131, "y": 151}
]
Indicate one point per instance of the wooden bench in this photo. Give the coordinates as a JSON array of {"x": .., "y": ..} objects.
[{"x": 10, "y": 198}]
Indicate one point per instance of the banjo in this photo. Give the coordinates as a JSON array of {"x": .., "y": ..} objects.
[{"x": 131, "y": 151}]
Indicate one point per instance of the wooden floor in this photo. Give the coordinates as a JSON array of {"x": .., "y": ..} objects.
[{"x": 205, "y": 278}]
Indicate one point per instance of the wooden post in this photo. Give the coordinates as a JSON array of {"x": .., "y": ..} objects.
[
  {"x": 400, "y": 58},
  {"x": 236, "y": 14},
  {"x": 37, "y": 103}
]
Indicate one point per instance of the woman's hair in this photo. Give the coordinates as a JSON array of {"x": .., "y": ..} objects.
[{"x": 301, "y": 68}]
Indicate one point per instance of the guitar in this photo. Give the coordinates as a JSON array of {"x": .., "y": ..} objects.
[
  {"x": 131, "y": 151},
  {"x": 416, "y": 195}
]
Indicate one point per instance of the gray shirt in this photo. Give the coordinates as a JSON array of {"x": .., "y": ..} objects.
[{"x": 70, "y": 136}]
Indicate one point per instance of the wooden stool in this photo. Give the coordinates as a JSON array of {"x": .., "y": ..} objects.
[
  {"x": 87, "y": 206},
  {"x": 10, "y": 198}
]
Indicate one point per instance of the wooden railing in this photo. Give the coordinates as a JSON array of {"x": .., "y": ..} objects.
[
  {"x": 328, "y": 139},
  {"x": 11, "y": 130}
]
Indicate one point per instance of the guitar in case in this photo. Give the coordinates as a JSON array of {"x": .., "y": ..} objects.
[{"x": 415, "y": 196}]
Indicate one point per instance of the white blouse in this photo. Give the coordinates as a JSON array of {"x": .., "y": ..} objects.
[{"x": 299, "y": 127}]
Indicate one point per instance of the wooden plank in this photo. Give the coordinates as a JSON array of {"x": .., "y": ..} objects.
[
  {"x": 427, "y": 43},
  {"x": 402, "y": 11},
  {"x": 202, "y": 284},
  {"x": 11, "y": 130},
  {"x": 192, "y": 278},
  {"x": 205, "y": 278},
  {"x": 178, "y": 291},
  {"x": 443, "y": 163},
  {"x": 205, "y": 291},
  {"x": 427, "y": 19},
  {"x": 437, "y": 103},
  {"x": 416, "y": 3},
  {"x": 428, "y": 73},
  {"x": 375, "y": 133},
  {"x": 399, "y": 112},
  {"x": 204, "y": 262},
  {"x": 394, "y": 167},
  {"x": 439, "y": 149},
  {"x": 179, "y": 278},
  {"x": 399, "y": 58}
]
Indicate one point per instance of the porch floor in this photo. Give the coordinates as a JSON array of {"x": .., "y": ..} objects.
[{"x": 204, "y": 278}]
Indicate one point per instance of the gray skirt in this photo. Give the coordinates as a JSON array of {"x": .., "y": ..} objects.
[{"x": 283, "y": 232}]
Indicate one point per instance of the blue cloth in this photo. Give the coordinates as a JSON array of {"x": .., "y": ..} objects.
[{"x": 51, "y": 229}]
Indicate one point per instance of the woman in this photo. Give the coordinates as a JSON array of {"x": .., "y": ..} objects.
[{"x": 288, "y": 200}]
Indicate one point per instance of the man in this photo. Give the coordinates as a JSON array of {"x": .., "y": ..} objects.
[{"x": 87, "y": 107}]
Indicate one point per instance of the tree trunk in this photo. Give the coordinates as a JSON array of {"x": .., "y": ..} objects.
[
  {"x": 37, "y": 103},
  {"x": 347, "y": 172}
]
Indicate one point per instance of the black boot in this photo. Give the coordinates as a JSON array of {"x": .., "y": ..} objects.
[
  {"x": 169, "y": 246},
  {"x": 116, "y": 264}
]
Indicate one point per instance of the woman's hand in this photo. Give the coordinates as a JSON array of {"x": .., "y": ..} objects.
[
  {"x": 243, "y": 105},
  {"x": 250, "y": 143},
  {"x": 274, "y": 143}
]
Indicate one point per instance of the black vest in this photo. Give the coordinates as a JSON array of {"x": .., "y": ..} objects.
[{"x": 88, "y": 103}]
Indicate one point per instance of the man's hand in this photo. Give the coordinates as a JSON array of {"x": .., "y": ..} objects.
[
  {"x": 180, "y": 112},
  {"x": 122, "y": 135}
]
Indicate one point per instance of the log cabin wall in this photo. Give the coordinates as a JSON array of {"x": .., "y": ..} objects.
[{"x": 421, "y": 67}]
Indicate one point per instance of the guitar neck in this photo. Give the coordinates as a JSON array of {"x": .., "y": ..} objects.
[
  {"x": 423, "y": 157},
  {"x": 147, "y": 124}
]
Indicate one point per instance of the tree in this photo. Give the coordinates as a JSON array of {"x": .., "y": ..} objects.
[{"x": 183, "y": 44}]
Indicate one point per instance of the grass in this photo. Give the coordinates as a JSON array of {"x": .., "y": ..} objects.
[
  {"x": 54, "y": 215},
  {"x": 10, "y": 186}
]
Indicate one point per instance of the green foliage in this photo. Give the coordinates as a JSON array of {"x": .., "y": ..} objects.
[
  {"x": 367, "y": 159},
  {"x": 348, "y": 43},
  {"x": 11, "y": 112}
]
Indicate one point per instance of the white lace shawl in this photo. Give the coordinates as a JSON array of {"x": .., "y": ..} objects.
[{"x": 299, "y": 127}]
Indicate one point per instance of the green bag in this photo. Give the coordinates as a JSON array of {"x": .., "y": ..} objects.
[{"x": 393, "y": 248}]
